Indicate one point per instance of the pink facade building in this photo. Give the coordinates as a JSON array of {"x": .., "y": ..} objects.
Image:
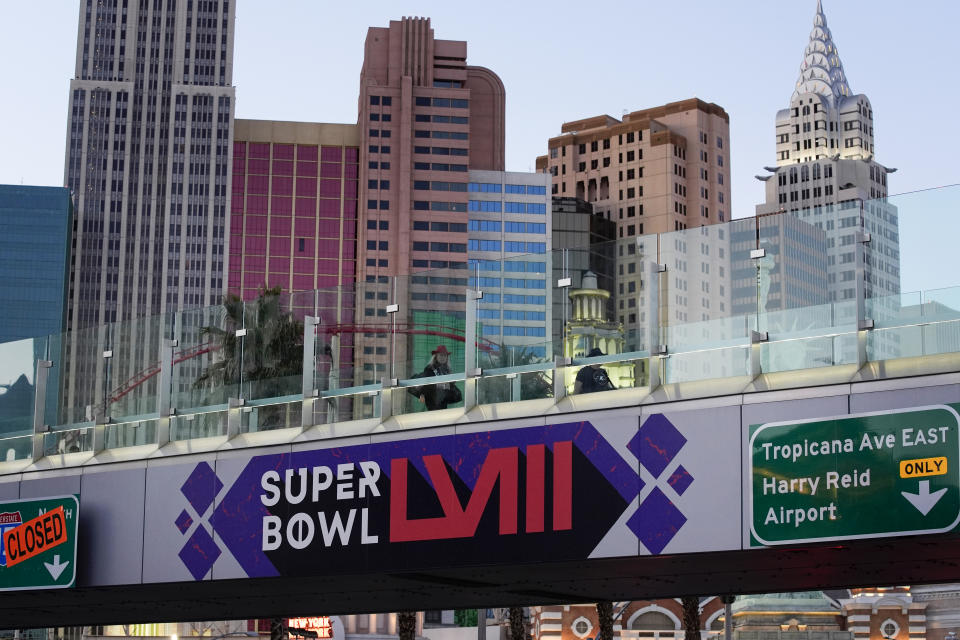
[{"x": 293, "y": 222}]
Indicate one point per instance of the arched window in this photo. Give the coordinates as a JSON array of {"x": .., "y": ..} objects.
[{"x": 653, "y": 621}]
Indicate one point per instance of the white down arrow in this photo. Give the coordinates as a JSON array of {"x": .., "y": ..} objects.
[
  {"x": 923, "y": 500},
  {"x": 56, "y": 568}
]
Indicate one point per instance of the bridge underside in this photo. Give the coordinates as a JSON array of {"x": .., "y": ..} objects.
[{"x": 863, "y": 563}]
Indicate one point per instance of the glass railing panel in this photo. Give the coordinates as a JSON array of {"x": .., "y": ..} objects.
[
  {"x": 206, "y": 362},
  {"x": 706, "y": 334},
  {"x": 69, "y": 439},
  {"x": 570, "y": 265},
  {"x": 273, "y": 413},
  {"x": 915, "y": 324},
  {"x": 809, "y": 337},
  {"x": 82, "y": 380},
  {"x": 605, "y": 298},
  {"x": 204, "y": 424},
  {"x": 344, "y": 404},
  {"x": 270, "y": 349},
  {"x": 903, "y": 229},
  {"x": 18, "y": 364},
  {"x": 130, "y": 433},
  {"x": 514, "y": 373},
  {"x": 16, "y": 447},
  {"x": 793, "y": 271},
  {"x": 706, "y": 364},
  {"x": 712, "y": 284},
  {"x": 376, "y": 336},
  {"x": 429, "y": 339},
  {"x": 132, "y": 373}
]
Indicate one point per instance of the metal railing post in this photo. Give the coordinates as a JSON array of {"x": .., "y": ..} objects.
[
  {"x": 471, "y": 371},
  {"x": 164, "y": 391},
  {"x": 309, "y": 389},
  {"x": 40, "y": 427}
]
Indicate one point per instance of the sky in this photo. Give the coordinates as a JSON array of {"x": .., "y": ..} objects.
[{"x": 300, "y": 60}]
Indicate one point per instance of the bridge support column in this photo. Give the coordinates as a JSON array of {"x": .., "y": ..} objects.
[
  {"x": 757, "y": 338},
  {"x": 234, "y": 409},
  {"x": 656, "y": 277},
  {"x": 40, "y": 426},
  {"x": 560, "y": 364},
  {"x": 309, "y": 370},
  {"x": 388, "y": 393}
]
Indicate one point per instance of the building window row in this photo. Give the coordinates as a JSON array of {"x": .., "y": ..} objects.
[
  {"x": 453, "y": 227},
  {"x": 455, "y": 103},
  {"x": 442, "y": 135},
  {"x": 440, "y": 247},
  {"x": 435, "y": 166},
  {"x": 442, "y": 151},
  {"x": 424, "y": 205},
  {"x": 425, "y": 117},
  {"x": 426, "y": 185}
]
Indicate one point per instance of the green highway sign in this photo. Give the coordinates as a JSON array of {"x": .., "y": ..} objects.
[
  {"x": 890, "y": 473},
  {"x": 38, "y": 543}
]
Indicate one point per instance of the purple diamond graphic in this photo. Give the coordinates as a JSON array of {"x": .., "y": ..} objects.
[
  {"x": 656, "y": 443},
  {"x": 680, "y": 480},
  {"x": 656, "y": 521},
  {"x": 201, "y": 487},
  {"x": 184, "y": 521},
  {"x": 199, "y": 553}
]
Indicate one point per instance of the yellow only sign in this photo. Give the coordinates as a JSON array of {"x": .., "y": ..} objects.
[{"x": 923, "y": 467}]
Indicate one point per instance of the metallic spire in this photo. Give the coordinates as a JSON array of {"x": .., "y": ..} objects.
[{"x": 822, "y": 72}]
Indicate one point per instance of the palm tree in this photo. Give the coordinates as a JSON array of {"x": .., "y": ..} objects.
[
  {"x": 407, "y": 625},
  {"x": 518, "y": 629},
  {"x": 277, "y": 632},
  {"x": 691, "y": 617},
  {"x": 268, "y": 357},
  {"x": 605, "y": 620}
]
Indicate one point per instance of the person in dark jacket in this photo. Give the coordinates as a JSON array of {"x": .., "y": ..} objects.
[
  {"x": 592, "y": 377},
  {"x": 442, "y": 394}
]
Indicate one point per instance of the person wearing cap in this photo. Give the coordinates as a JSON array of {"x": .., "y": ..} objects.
[
  {"x": 592, "y": 377},
  {"x": 442, "y": 394}
]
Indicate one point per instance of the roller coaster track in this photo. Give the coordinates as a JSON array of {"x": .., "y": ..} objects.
[{"x": 440, "y": 331}]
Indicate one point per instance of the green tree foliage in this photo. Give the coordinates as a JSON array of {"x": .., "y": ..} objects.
[
  {"x": 267, "y": 362},
  {"x": 465, "y": 617}
]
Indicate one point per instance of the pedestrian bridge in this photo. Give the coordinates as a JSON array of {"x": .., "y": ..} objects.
[{"x": 774, "y": 450}]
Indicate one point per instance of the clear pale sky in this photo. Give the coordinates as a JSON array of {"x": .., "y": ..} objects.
[{"x": 560, "y": 61}]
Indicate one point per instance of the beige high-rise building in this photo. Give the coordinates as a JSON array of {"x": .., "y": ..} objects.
[{"x": 659, "y": 170}]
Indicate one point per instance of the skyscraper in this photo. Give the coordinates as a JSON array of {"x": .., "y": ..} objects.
[
  {"x": 148, "y": 156},
  {"x": 426, "y": 119},
  {"x": 827, "y": 173}
]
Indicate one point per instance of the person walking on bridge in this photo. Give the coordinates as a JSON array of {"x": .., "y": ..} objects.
[{"x": 442, "y": 394}]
